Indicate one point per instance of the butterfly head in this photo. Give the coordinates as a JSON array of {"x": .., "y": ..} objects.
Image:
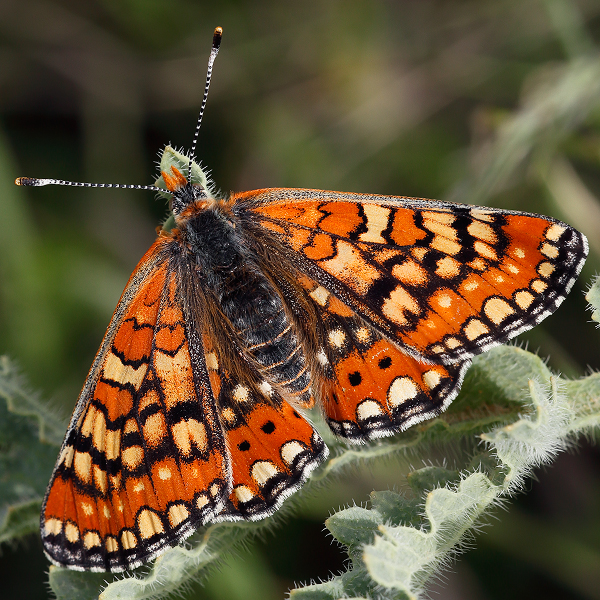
[
  {"x": 184, "y": 192},
  {"x": 179, "y": 190}
]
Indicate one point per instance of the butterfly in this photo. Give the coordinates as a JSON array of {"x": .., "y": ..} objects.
[{"x": 252, "y": 307}]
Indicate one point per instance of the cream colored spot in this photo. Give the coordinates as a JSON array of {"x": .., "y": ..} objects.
[
  {"x": 447, "y": 267},
  {"x": 113, "y": 444},
  {"x": 111, "y": 543},
  {"x": 363, "y": 335},
  {"x": 477, "y": 213},
  {"x": 554, "y": 232},
  {"x": 265, "y": 388},
  {"x": 150, "y": 398},
  {"x": 149, "y": 524},
  {"x": 100, "y": 478},
  {"x": 66, "y": 456},
  {"x": 497, "y": 310},
  {"x": 241, "y": 393},
  {"x": 475, "y": 328},
  {"x": 445, "y": 245},
  {"x": 452, "y": 342},
  {"x": 214, "y": 490},
  {"x": 545, "y": 269},
  {"x": 88, "y": 423},
  {"x": 290, "y": 450},
  {"x": 106, "y": 511},
  {"x": 377, "y": 221},
  {"x": 228, "y": 415},
  {"x": 99, "y": 433},
  {"x": 177, "y": 514},
  {"x": 211, "y": 360},
  {"x": 115, "y": 370},
  {"x": 367, "y": 409},
  {"x": 115, "y": 481},
  {"x": 243, "y": 493},
  {"x": 444, "y": 300},
  {"x": 478, "y": 264},
  {"x": 549, "y": 250},
  {"x": 441, "y": 215},
  {"x": 485, "y": 250},
  {"x": 91, "y": 539},
  {"x": 175, "y": 373},
  {"x": 130, "y": 426},
  {"x": 401, "y": 390},
  {"x": 519, "y": 253},
  {"x": 139, "y": 486},
  {"x": 132, "y": 457},
  {"x": 419, "y": 253},
  {"x": 71, "y": 532},
  {"x": 537, "y": 285},
  {"x": 437, "y": 349},
  {"x": 431, "y": 379},
  {"x": 262, "y": 471},
  {"x": 120, "y": 506},
  {"x": 320, "y": 295},
  {"x": 351, "y": 268},
  {"x": 498, "y": 278},
  {"x": 165, "y": 473},
  {"x": 186, "y": 433},
  {"x": 483, "y": 232},
  {"x": 83, "y": 466},
  {"x": 128, "y": 540},
  {"x": 523, "y": 298},
  {"x": 512, "y": 268},
  {"x": 52, "y": 526},
  {"x": 336, "y": 338},
  {"x": 322, "y": 357},
  {"x": 440, "y": 224},
  {"x": 202, "y": 501},
  {"x": 471, "y": 285},
  {"x": 410, "y": 272},
  {"x": 397, "y": 303},
  {"x": 155, "y": 429}
]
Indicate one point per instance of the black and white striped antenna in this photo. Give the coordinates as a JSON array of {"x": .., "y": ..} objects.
[{"x": 34, "y": 181}]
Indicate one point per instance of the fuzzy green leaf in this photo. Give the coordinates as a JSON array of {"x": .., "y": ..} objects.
[
  {"x": 593, "y": 297},
  {"x": 29, "y": 433}
]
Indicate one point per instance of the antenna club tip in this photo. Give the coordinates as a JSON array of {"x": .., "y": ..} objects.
[
  {"x": 217, "y": 35},
  {"x": 26, "y": 181}
]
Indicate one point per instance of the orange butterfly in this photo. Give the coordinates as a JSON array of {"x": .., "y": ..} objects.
[{"x": 251, "y": 307}]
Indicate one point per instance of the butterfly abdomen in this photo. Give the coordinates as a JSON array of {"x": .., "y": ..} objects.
[{"x": 247, "y": 299}]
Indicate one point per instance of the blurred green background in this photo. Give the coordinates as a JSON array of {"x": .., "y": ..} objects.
[{"x": 432, "y": 98}]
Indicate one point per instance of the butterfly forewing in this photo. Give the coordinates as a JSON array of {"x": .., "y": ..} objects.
[
  {"x": 446, "y": 281},
  {"x": 144, "y": 461}
]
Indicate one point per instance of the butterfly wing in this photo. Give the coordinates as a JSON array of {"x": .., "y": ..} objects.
[
  {"x": 367, "y": 386},
  {"x": 445, "y": 281},
  {"x": 273, "y": 448},
  {"x": 144, "y": 461}
]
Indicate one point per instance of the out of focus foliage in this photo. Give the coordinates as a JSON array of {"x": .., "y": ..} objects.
[{"x": 488, "y": 101}]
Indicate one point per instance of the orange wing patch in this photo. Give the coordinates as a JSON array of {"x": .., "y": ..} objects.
[{"x": 145, "y": 463}]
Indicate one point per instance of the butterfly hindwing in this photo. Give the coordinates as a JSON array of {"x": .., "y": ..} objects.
[
  {"x": 144, "y": 461},
  {"x": 367, "y": 386},
  {"x": 446, "y": 281},
  {"x": 273, "y": 448}
]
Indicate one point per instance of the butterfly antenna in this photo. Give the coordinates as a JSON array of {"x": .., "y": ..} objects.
[
  {"x": 218, "y": 34},
  {"x": 33, "y": 181}
]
